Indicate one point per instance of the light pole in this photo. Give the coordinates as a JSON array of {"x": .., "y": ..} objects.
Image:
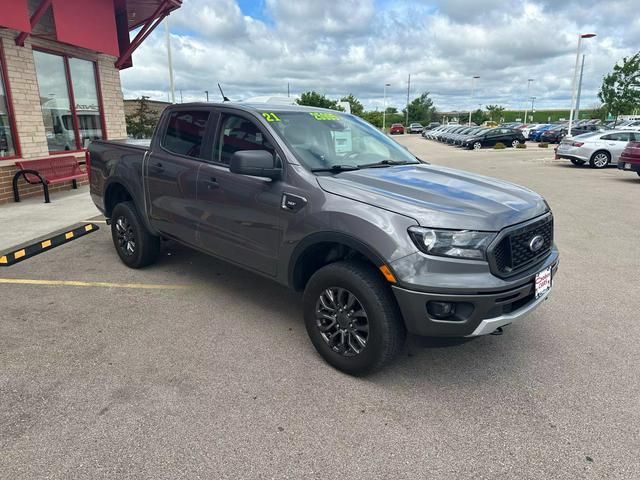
[
  {"x": 525, "y": 108},
  {"x": 384, "y": 109},
  {"x": 172, "y": 91},
  {"x": 473, "y": 83},
  {"x": 206, "y": 92},
  {"x": 575, "y": 78},
  {"x": 577, "y": 113},
  {"x": 533, "y": 99}
]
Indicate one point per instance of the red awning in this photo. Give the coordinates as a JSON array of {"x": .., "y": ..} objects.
[
  {"x": 15, "y": 15},
  {"x": 93, "y": 28}
]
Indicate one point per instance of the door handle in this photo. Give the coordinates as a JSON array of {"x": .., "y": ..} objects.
[
  {"x": 157, "y": 167},
  {"x": 212, "y": 183}
]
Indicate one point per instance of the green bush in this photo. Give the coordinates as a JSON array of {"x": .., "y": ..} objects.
[
  {"x": 521, "y": 145},
  {"x": 499, "y": 146},
  {"x": 543, "y": 145}
]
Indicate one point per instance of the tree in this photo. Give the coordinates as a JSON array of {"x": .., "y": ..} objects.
[
  {"x": 478, "y": 117},
  {"x": 141, "y": 123},
  {"x": 314, "y": 99},
  {"x": 421, "y": 109},
  {"x": 620, "y": 91},
  {"x": 356, "y": 107},
  {"x": 391, "y": 110},
  {"x": 495, "y": 112}
]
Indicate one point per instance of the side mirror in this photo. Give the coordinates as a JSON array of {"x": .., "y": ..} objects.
[{"x": 257, "y": 163}]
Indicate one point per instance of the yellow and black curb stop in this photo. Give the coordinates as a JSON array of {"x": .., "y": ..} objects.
[{"x": 13, "y": 257}]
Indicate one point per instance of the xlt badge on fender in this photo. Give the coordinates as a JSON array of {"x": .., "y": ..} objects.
[{"x": 293, "y": 203}]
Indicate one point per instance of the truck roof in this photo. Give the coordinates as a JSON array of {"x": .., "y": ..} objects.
[{"x": 256, "y": 107}]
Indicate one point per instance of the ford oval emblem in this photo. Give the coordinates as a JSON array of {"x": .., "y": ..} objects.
[{"x": 536, "y": 243}]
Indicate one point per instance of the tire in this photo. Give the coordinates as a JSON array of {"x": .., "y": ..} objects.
[
  {"x": 600, "y": 159},
  {"x": 135, "y": 245},
  {"x": 477, "y": 145},
  {"x": 515, "y": 143},
  {"x": 385, "y": 331},
  {"x": 577, "y": 162}
]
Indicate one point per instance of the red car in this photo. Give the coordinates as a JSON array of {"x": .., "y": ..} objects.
[
  {"x": 630, "y": 158},
  {"x": 396, "y": 128}
]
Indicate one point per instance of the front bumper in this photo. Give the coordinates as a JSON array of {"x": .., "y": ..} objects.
[{"x": 480, "y": 313}]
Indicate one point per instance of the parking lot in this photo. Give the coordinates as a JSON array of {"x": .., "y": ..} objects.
[{"x": 193, "y": 368}]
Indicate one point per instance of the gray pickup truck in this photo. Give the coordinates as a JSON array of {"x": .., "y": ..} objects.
[{"x": 380, "y": 242}]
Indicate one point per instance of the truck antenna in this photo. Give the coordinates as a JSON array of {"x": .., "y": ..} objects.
[{"x": 224, "y": 99}]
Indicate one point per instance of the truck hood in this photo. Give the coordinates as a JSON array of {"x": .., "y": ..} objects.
[{"x": 439, "y": 197}]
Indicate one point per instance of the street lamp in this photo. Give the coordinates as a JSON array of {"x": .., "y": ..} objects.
[
  {"x": 473, "y": 82},
  {"x": 575, "y": 78},
  {"x": 384, "y": 109},
  {"x": 206, "y": 92},
  {"x": 525, "y": 108},
  {"x": 533, "y": 99}
]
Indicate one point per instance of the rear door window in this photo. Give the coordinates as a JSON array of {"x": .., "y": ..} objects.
[
  {"x": 185, "y": 132},
  {"x": 618, "y": 137}
]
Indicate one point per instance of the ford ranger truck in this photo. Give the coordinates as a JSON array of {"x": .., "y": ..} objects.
[{"x": 380, "y": 242}]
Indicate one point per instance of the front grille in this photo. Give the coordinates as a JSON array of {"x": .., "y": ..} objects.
[{"x": 512, "y": 253}]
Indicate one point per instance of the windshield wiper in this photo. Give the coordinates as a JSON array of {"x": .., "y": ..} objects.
[
  {"x": 336, "y": 168},
  {"x": 387, "y": 163}
]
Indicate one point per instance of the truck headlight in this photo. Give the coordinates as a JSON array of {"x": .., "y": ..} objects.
[{"x": 452, "y": 243}]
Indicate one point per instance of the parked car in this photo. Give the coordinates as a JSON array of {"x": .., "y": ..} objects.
[
  {"x": 554, "y": 135},
  {"x": 415, "y": 128},
  {"x": 598, "y": 149},
  {"x": 470, "y": 132},
  {"x": 527, "y": 129},
  {"x": 490, "y": 137},
  {"x": 432, "y": 125},
  {"x": 630, "y": 157},
  {"x": 396, "y": 129},
  {"x": 322, "y": 202},
  {"x": 535, "y": 135}
]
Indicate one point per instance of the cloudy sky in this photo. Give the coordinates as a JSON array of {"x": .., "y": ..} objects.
[{"x": 336, "y": 47}]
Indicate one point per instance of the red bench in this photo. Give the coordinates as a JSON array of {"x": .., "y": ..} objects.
[{"x": 48, "y": 171}]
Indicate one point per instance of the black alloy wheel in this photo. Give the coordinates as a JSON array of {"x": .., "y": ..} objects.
[{"x": 342, "y": 321}]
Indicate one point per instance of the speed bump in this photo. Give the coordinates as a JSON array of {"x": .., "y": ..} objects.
[{"x": 13, "y": 257}]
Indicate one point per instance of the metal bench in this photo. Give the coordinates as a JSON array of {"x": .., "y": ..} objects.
[{"x": 48, "y": 171}]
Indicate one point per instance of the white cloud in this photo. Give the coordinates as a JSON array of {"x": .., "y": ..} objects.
[{"x": 355, "y": 46}]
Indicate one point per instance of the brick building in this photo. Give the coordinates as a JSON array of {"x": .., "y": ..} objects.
[{"x": 60, "y": 63}]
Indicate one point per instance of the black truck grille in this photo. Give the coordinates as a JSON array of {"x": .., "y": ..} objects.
[{"x": 513, "y": 254}]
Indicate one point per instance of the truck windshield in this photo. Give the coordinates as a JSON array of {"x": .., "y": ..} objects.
[{"x": 323, "y": 140}]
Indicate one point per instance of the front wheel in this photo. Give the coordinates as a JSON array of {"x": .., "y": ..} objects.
[
  {"x": 477, "y": 145},
  {"x": 352, "y": 317},
  {"x": 135, "y": 245},
  {"x": 515, "y": 143}
]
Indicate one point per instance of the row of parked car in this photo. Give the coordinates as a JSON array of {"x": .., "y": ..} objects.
[{"x": 474, "y": 137}]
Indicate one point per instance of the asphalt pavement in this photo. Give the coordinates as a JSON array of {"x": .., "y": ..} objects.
[{"x": 193, "y": 368}]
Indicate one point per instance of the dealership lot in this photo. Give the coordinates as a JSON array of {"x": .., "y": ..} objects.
[{"x": 193, "y": 368}]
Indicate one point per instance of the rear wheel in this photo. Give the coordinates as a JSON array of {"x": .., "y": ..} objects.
[
  {"x": 577, "y": 162},
  {"x": 135, "y": 245},
  {"x": 352, "y": 318},
  {"x": 600, "y": 159}
]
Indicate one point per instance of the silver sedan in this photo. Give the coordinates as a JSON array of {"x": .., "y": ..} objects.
[{"x": 598, "y": 149}]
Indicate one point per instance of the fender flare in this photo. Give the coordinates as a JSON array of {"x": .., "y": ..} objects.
[{"x": 330, "y": 237}]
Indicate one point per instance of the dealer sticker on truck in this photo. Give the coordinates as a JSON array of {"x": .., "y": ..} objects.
[{"x": 543, "y": 282}]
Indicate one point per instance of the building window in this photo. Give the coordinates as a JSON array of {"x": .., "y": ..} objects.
[
  {"x": 7, "y": 142},
  {"x": 69, "y": 101}
]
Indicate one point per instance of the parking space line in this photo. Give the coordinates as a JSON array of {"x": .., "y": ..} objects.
[{"x": 73, "y": 283}]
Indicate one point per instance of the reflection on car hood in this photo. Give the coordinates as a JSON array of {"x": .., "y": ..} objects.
[{"x": 439, "y": 197}]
